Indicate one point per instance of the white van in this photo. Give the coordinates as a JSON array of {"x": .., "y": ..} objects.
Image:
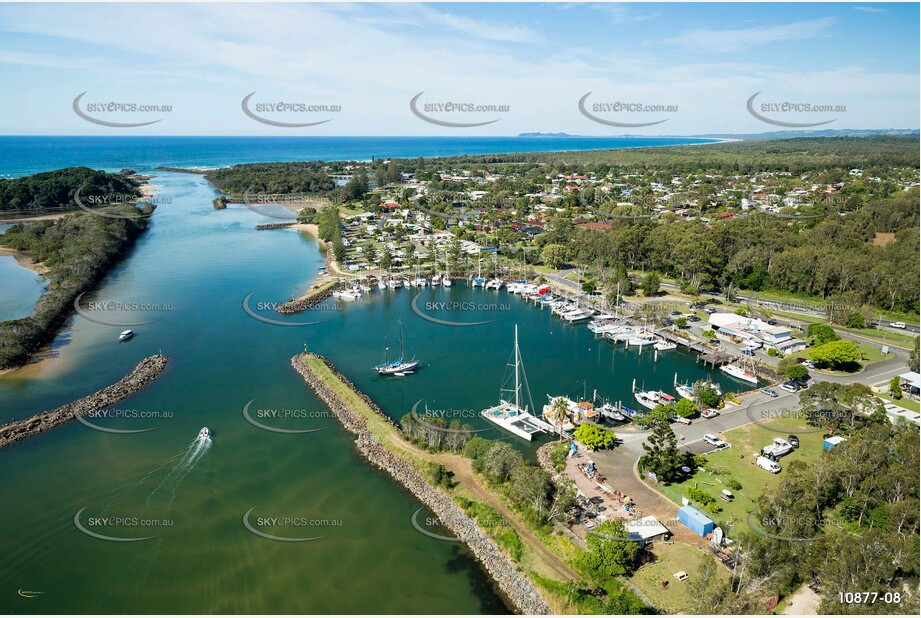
[{"x": 767, "y": 464}]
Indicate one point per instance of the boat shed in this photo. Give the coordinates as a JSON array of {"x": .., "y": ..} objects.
[
  {"x": 832, "y": 442},
  {"x": 695, "y": 520},
  {"x": 646, "y": 529}
]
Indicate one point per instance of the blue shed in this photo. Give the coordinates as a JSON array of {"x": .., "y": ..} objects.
[
  {"x": 695, "y": 520},
  {"x": 832, "y": 442}
]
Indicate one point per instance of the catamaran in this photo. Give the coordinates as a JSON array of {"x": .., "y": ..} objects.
[
  {"x": 511, "y": 416},
  {"x": 400, "y": 366}
]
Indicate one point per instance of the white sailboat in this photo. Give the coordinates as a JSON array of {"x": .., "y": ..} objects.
[
  {"x": 400, "y": 366},
  {"x": 511, "y": 416}
]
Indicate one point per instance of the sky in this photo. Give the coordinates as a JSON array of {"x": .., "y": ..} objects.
[{"x": 696, "y": 64}]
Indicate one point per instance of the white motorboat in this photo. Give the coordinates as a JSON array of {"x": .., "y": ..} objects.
[
  {"x": 662, "y": 345},
  {"x": 611, "y": 413},
  {"x": 642, "y": 338},
  {"x": 436, "y": 279},
  {"x": 125, "y": 335},
  {"x": 394, "y": 284},
  {"x": 204, "y": 434},
  {"x": 350, "y": 294},
  {"x": 381, "y": 285},
  {"x": 577, "y": 315}
]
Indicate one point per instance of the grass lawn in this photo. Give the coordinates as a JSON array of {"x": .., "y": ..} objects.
[
  {"x": 738, "y": 463},
  {"x": 904, "y": 402},
  {"x": 671, "y": 558}
]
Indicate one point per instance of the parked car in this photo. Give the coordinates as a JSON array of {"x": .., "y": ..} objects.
[
  {"x": 693, "y": 318},
  {"x": 790, "y": 387},
  {"x": 714, "y": 342},
  {"x": 710, "y": 413},
  {"x": 713, "y": 440},
  {"x": 767, "y": 464},
  {"x": 897, "y": 324},
  {"x": 793, "y": 440},
  {"x": 675, "y": 313},
  {"x": 681, "y": 419},
  {"x": 748, "y": 352},
  {"x": 769, "y": 392},
  {"x": 809, "y": 365},
  {"x": 772, "y": 322},
  {"x": 710, "y": 310},
  {"x": 801, "y": 360}
]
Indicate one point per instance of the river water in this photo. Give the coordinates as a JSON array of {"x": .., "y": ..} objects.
[{"x": 189, "y": 274}]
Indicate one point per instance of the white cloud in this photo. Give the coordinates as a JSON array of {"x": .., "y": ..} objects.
[{"x": 738, "y": 39}]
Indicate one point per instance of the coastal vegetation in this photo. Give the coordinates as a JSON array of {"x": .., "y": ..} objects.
[
  {"x": 79, "y": 249},
  {"x": 55, "y": 190},
  {"x": 271, "y": 178}
]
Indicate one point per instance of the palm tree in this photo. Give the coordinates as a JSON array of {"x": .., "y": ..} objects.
[{"x": 559, "y": 411}]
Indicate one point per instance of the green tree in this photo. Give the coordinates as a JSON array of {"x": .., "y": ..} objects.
[
  {"x": 685, "y": 408},
  {"x": 821, "y": 333},
  {"x": 651, "y": 283},
  {"x": 836, "y": 354},
  {"x": 555, "y": 256},
  {"x": 895, "y": 387},
  {"x": 593, "y": 436},
  {"x": 915, "y": 356},
  {"x": 610, "y": 550},
  {"x": 796, "y": 371},
  {"x": 681, "y": 322},
  {"x": 662, "y": 456},
  {"x": 338, "y": 250}
]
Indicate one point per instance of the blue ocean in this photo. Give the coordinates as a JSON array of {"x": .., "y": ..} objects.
[{"x": 23, "y": 155}]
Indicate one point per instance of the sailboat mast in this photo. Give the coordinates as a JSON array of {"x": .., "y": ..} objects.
[{"x": 517, "y": 362}]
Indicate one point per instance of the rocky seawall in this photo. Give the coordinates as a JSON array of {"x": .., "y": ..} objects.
[
  {"x": 143, "y": 374},
  {"x": 275, "y": 226},
  {"x": 306, "y": 302},
  {"x": 517, "y": 589}
]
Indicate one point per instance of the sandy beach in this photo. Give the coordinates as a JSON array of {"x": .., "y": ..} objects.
[{"x": 24, "y": 259}]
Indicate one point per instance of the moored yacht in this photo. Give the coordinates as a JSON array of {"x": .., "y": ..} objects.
[
  {"x": 511, "y": 416},
  {"x": 738, "y": 372},
  {"x": 400, "y": 366}
]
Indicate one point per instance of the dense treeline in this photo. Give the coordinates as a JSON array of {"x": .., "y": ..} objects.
[
  {"x": 79, "y": 249},
  {"x": 56, "y": 189},
  {"x": 847, "y": 522},
  {"x": 795, "y": 155},
  {"x": 272, "y": 178},
  {"x": 835, "y": 258}
]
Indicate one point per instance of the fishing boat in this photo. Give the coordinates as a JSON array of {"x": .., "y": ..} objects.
[
  {"x": 511, "y": 416},
  {"x": 651, "y": 399},
  {"x": 556, "y": 413},
  {"x": 739, "y": 373},
  {"x": 204, "y": 434},
  {"x": 400, "y": 366},
  {"x": 662, "y": 345},
  {"x": 125, "y": 335},
  {"x": 642, "y": 338}
]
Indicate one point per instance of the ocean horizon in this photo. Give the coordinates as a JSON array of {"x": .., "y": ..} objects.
[{"x": 31, "y": 154}]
